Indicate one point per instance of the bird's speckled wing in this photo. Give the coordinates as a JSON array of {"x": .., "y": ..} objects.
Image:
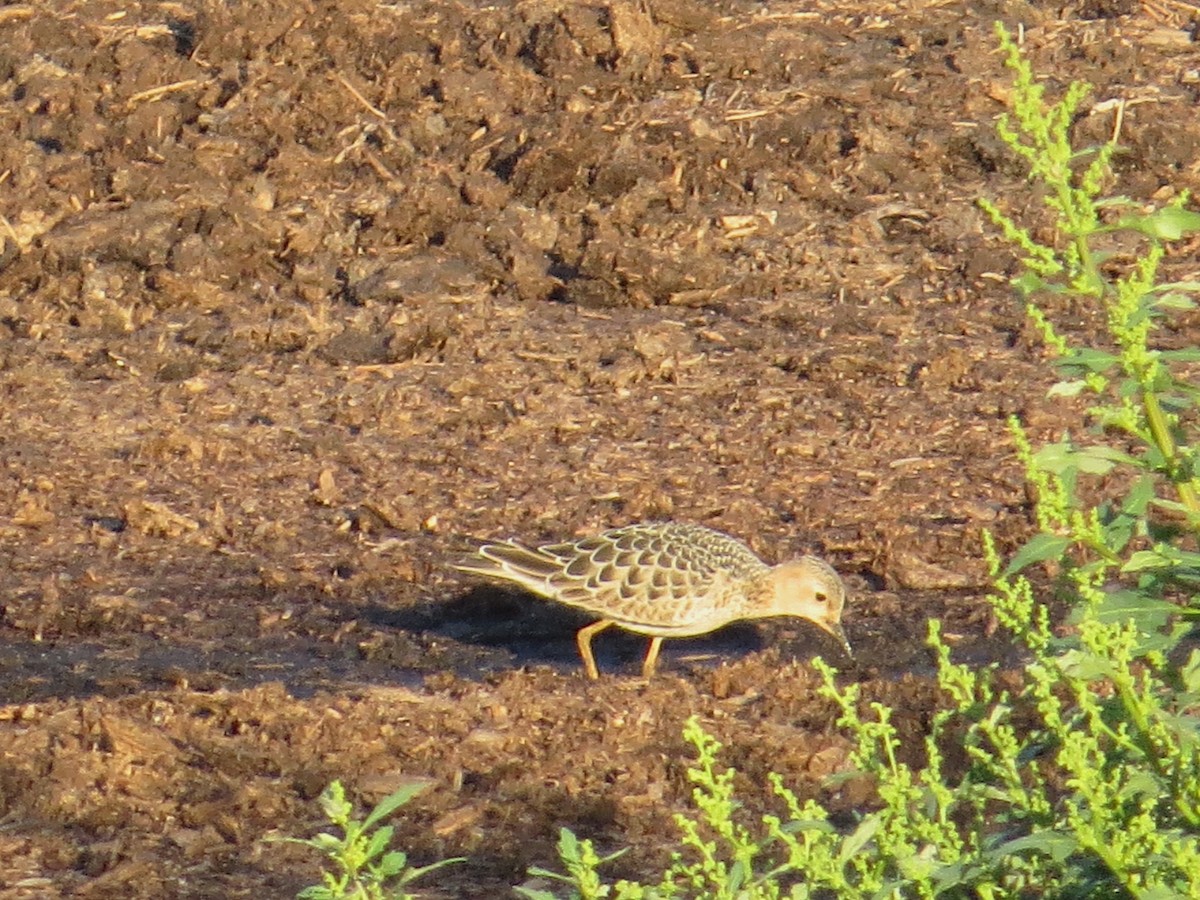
[{"x": 665, "y": 577}]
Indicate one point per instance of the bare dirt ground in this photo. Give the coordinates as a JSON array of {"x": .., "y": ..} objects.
[{"x": 294, "y": 296}]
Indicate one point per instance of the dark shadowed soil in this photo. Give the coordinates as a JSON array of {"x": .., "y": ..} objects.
[{"x": 297, "y": 296}]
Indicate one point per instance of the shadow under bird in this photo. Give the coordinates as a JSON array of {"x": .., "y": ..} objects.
[{"x": 665, "y": 580}]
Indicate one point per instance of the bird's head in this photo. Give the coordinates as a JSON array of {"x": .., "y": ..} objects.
[{"x": 809, "y": 588}]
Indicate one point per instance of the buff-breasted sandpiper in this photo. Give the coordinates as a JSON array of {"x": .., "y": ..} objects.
[{"x": 665, "y": 580}]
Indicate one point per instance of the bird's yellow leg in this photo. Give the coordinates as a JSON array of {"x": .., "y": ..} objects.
[
  {"x": 651, "y": 657},
  {"x": 584, "y": 640}
]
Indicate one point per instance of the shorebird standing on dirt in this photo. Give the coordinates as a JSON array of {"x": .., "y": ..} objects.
[{"x": 665, "y": 580}]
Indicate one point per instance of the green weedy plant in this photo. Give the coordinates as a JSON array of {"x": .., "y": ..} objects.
[
  {"x": 1137, "y": 390},
  {"x": 722, "y": 858},
  {"x": 1118, "y": 805},
  {"x": 1085, "y": 780},
  {"x": 582, "y": 863},
  {"x": 365, "y": 867}
]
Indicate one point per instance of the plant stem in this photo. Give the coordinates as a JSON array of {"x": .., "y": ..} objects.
[{"x": 1161, "y": 431}]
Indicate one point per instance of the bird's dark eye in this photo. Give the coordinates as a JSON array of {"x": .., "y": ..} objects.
[{"x": 821, "y": 597}]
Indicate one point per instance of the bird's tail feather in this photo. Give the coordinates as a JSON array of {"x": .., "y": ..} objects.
[{"x": 510, "y": 561}]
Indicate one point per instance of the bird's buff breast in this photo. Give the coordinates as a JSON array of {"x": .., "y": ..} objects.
[{"x": 683, "y": 625}]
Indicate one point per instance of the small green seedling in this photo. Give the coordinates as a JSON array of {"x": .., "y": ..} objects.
[{"x": 365, "y": 867}]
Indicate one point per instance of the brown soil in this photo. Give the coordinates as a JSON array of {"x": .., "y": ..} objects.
[{"x": 294, "y": 296}]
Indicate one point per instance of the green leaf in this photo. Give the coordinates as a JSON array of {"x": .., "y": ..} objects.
[
  {"x": 1166, "y": 892},
  {"x": 1090, "y": 360},
  {"x": 390, "y": 864},
  {"x": 393, "y": 802},
  {"x": 1187, "y": 560},
  {"x": 1190, "y": 673},
  {"x": 1083, "y": 664},
  {"x": 1173, "y": 506},
  {"x": 1039, "y": 548},
  {"x": 1142, "y": 560},
  {"x": 378, "y": 842},
  {"x": 1184, "y": 564},
  {"x": 568, "y": 845},
  {"x": 1029, "y": 282},
  {"x": 1137, "y": 501},
  {"x": 1167, "y": 224},
  {"x": 1190, "y": 286},
  {"x": 918, "y": 867},
  {"x": 862, "y": 835},
  {"x": 1120, "y": 528},
  {"x": 736, "y": 877},
  {"x": 1063, "y": 457},
  {"x": 1158, "y": 642},
  {"x": 1057, "y": 845},
  {"x": 1175, "y": 301},
  {"x": 539, "y": 872},
  {"x": 818, "y": 825},
  {"x": 326, "y": 842},
  {"x": 1186, "y": 354},
  {"x": 1139, "y": 785},
  {"x": 1115, "y": 202},
  {"x": 1098, "y": 459},
  {"x": 1067, "y": 389},
  {"x": 1150, "y": 613},
  {"x": 416, "y": 873}
]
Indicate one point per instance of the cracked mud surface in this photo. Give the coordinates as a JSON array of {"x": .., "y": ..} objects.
[{"x": 295, "y": 298}]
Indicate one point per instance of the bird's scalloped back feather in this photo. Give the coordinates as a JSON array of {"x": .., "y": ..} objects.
[{"x": 647, "y": 574}]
